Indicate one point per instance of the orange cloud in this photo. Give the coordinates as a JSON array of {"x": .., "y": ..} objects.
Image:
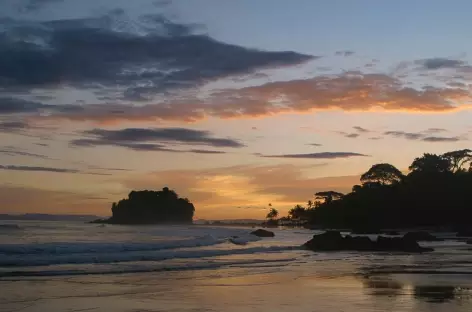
[{"x": 350, "y": 91}]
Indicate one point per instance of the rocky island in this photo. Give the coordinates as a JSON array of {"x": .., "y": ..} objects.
[{"x": 151, "y": 207}]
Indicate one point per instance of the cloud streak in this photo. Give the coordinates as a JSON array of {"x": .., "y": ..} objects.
[
  {"x": 16, "y": 152},
  {"x": 424, "y": 136},
  {"x": 13, "y": 126},
  {"x": 156, "y": 139},
  {"x": 441, "y": 139},
  {"x": 360, "y": 129},
  {"x": 322, "y": 155},
  {"x": 440, "y": 63},
  {"x": 37, "y": 168}
]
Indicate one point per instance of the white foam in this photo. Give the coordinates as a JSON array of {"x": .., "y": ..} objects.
[
  {"x": 19, "y": 260},
  {"x": 101, "y": 247}
]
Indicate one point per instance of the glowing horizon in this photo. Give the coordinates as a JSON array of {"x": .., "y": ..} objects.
[{"x": 222, "y": 102}]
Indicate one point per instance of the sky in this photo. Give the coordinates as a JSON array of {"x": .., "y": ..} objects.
[{"x": 233, "y": 104}]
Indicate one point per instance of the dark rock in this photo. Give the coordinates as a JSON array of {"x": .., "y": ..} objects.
[
  {"x": 333, "y": 241},
  {"x": 263, "y": 233},
  {"x": 391, "y": 233},
  {"x": 99, "y": 221},
  {"x": 399, "y": 244},
  {"x": 235, "y": 240},
  {"x": 327, "y": 241},
  {"x": 421, "y": 236},
  {"x": 361, "y": 243}
]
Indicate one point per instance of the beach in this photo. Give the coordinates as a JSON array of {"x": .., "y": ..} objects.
[{"x": 60, "y": 266}]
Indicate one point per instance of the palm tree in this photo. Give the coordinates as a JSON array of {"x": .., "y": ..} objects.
[
  {"x": 297, "y": 212},
  {"x": 273, "y": 214},
  {"x": 309, "y": 204}
]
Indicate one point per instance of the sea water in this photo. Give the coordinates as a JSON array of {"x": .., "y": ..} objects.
[{"x": 67, "y": 266}]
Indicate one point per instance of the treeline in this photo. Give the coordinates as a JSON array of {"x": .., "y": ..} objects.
[
  {"x": 436, "y": 192},
  {"x": 152, "y": 207}
]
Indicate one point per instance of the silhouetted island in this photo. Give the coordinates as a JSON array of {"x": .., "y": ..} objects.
[{"x": 151, "y": 207}]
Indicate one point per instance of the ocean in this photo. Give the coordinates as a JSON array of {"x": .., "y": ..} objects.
[{"x": 73, "y": 266}]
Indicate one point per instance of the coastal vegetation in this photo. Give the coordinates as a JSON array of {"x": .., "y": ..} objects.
[{"x": 435, "y": 192}]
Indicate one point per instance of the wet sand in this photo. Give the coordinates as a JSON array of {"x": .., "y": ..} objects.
[{"x": 240, "y": 289}]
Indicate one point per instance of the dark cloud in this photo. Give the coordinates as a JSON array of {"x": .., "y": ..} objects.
[
  {"x": 149, "y": 147},
  {"x": 199, "y": 151},
  {"x": 348, "y": 135},
  {"x": 376, "y": 138},
  {"x": 314, "y": 144},
  {"x": 142, "y": 147},
  {"x": 9, "y": 105},
  {"x": 441, "y": 139},
  {"x": 352, "y": 135},
  {"x": 93, "y": 167},
  {"x": 439, "y": 63},
  {"x": 360, "y": 129},
  {"x": 168, "y": 135},
  {"x": 403, "y": 134},
  {"x": 50, "y": 169},
  {"x": 155, "y": 139},
  {"x": 457, "y": 84},
  {"x": 13, "y": 126},
  {"x": 344, "y": 53},
  {"x": 34, "y": 168},
  {"x": 424, "y": 136},
  {"x": 15, "y": 152},
  {"x": 107, "y": 53},
  {"x": 323, "y": 155},
  {"x": 42, "y": 144}
]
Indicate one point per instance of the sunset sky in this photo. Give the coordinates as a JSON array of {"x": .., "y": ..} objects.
[{"x": 233, "y": 104}]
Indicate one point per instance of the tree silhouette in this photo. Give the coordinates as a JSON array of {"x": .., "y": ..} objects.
[
  {"x": 430, "y": 163},
  {"x": 356, "y": 188},
  {"x": 458, "y": 159},
  {"x": 436, "y": 193},
  {"x": 383, "y": 174},
  {"x": 297, "y": 213},
  {"x": 328, "y": 196},
  {"x": 273, "y": 214}
]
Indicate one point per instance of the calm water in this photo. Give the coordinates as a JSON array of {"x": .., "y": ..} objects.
[{"x": 54, "y": 266}]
